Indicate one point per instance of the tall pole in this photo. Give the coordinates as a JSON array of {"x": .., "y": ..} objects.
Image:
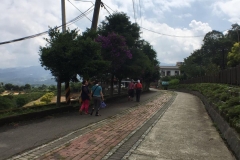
[
  {"x": 63, "y": 17},
  {"x": 96, "y": 14},
  {"x": 67, "y": 88}
]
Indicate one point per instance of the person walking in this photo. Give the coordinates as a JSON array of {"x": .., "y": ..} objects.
[
  {"x": 131, "y": 86},
  {"x": 138, "y": 88},
  {"x": 85, "y": 95},
  {"x": 97, "y": 96}
]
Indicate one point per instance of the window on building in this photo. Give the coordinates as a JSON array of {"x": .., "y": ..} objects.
[
  {"x": 176, "y": 73},
  {"x": 168, "y": 73},
  {"x": 162, "y": 73}
]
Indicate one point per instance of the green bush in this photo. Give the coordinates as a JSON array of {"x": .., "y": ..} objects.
[
  {"x": 174, "y": 82},
  {"x": 12, "y": 101},
  {"x": 224, "y": 97},
  {"x": 21, "y": 101},
  {"x": 47, "y": 97},
  {"x": 233, "y": 101},
  {"x": 234, "y": 111},
  {"x": 6, "y": 103},
  {"x": 1, "y": 90}
]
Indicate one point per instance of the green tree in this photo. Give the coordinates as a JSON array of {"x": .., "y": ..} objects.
[
  {"x": 27, "y": 86},
  {"x": 8, "y": 86},
  {"x": 120, "y": 23},
  {"x": 20, "y": 101},
  {"x": 115, "y": 51},
  {"x": 152, "y": 73},
  {"x": 6, "y": 103},
  {"x": 68, "y": 54},
  {"x": 193, "y": 65},
  {"x": 56, "y": 56},
  {"x": 52, "y": 88},
  {"x": 89, "y": 51},
  {"x": 234, "y": 56},
  {"x": 234, "y": 33}
]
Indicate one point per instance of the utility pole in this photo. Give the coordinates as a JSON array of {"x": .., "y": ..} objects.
[
  {"x": 96, "y": 14},
  {"x": 67, "y": 88},
  {"x": 63, "y": 17}
]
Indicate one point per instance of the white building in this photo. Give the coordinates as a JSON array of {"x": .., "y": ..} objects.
[{"x": 170, "y": 70}]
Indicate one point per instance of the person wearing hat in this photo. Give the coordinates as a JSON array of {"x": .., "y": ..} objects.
[
  {"x": 138, "y": 88},
  {"x": 131, "y": 86}
]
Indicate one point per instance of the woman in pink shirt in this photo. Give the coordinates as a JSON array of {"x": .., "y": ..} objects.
[{"x": 131, "y": 87}]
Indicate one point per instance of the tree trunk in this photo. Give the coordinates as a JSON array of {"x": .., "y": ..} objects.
[
  {"x": 119, "y": 86},
  {"x": 67, "y": 93},
  {"x": 58, "y": 93},
  {"x": 111, "y": 86}
]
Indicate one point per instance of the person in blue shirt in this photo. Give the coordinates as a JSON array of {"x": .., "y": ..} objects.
[{"x": 97, "y": 97}]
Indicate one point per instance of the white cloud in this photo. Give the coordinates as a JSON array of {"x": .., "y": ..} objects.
[
  {"x": 177, "y": 43},
  {"x": 168, "y": 5},
  {"x": 24, "y": 18},
  {"x": 199, "y": 26},
  {"x": 184, "y": 15},
  {"x": 229, "y": 8}
]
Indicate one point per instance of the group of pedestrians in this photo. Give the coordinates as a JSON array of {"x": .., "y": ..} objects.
[
  {"x": 132, "y": 87},
  {"x": 86, "y": 95},
  {"x": 97, "y": 96}
]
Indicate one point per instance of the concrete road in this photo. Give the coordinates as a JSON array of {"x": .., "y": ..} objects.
[
  {"x": 184, "y": 132},
  {"x": 19, "y": 137}
]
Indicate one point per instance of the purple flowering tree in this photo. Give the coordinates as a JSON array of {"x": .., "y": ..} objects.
[{"x": 114, "y": 50}]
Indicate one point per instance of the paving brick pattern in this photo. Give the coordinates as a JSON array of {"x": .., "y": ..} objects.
[{"x": 97, "y": 143}]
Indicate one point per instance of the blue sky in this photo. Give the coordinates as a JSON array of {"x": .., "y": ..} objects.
[{"x": 20, "y": 18}]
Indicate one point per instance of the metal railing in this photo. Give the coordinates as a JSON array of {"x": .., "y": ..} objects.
[{"x": 227, "y": 76}]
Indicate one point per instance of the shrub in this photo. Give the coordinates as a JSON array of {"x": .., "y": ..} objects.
[
  {"x": 174, "y": 82},
  {"x": 224, "y": 97},
  {"x": 5, "y": 103},
  {"x": 20, "y": 101},
  {"x": 1, "y": 90},
  {"x": 8, "y": 96},
  {"x": 47, "y": 97},
  {"x": 234, "y": 111},
  {"x": 39, "y": 103},
  {"x": 233, "y": 101}
]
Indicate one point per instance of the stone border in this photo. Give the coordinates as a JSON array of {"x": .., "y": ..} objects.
[
  {"x": 229, "y": 134},
  {"x": 46, "y": 112}
]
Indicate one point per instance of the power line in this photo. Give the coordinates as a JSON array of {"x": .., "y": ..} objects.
[
  {"x": 42, "y": 33},
  {"x": 159, "y": 32},
  {"x": 108, "y": 7},
  {"x": 171, "y": 35},
  {"x": 79, "y": 10},
  {"x": 80, "y": 16},
  {"x": 105, "y": 8},
  {"x": 85, "y": 1}
]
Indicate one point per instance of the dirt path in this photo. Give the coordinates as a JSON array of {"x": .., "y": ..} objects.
[{"x": 54, "y": 100}]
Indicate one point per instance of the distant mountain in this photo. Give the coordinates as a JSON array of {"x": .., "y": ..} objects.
[{"x": 34, "y": 75}]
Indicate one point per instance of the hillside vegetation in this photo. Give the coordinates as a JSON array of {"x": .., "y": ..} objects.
[{"x": 225, "y": 99}]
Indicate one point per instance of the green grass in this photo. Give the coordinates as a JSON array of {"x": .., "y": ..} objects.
[{"x": 21, "y": 111}]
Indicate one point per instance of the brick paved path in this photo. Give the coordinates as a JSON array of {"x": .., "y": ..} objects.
[{"x": 97, "y": 143}]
